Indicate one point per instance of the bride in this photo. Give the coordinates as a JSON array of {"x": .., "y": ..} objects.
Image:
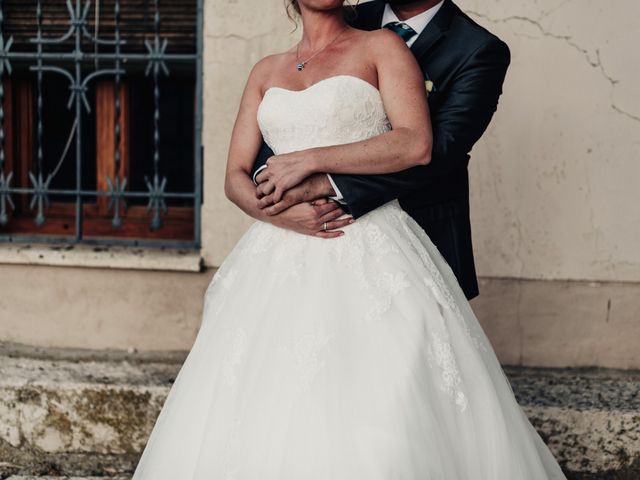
[{"x": 350, "y": 353}]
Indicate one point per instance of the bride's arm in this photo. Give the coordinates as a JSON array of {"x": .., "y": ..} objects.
[
  {"x": 408, "y": 144},
  {"x": 246, "y": 140}
]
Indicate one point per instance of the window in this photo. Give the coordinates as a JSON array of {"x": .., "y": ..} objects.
[{"x": 100, "y": 121}]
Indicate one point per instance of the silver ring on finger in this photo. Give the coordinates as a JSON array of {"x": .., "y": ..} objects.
[{"x": 324, "y": 226}]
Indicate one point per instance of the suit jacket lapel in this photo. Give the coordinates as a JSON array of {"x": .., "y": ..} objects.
[{"x": 436, "y": 28}]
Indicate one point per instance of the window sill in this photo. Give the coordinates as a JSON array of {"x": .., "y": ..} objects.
[{"x": 112, "y": 257}]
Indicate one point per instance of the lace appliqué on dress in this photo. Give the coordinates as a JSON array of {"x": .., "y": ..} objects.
[
  {"x": 305, "y": 355},
  {"x": 440, "y": 354},
  {"x": 379, "y": 287},
  {"x": 384, "y": 288}
]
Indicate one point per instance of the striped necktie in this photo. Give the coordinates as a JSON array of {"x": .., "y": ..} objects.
[{"x": 402, "y": 29}]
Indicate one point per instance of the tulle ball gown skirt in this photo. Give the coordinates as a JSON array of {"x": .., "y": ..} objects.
[{"x": 356, "y": 358}]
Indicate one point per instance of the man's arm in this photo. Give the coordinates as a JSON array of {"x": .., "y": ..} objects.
[{"x": 457, "y": 126}]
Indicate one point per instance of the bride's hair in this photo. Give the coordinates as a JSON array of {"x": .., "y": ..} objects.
[{"x": 293, "y": 4}]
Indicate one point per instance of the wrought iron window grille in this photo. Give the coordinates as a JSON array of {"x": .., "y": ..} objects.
[{"x": 72, "y": 64}]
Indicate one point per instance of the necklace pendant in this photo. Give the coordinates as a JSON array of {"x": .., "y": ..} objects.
[{"x": 300, "y": 66}]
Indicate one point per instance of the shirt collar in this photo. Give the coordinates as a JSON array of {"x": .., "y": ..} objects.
[{"x": 418, "y": 22}]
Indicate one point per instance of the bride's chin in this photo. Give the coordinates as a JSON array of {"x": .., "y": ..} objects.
[{"x": 321, "y": 5}]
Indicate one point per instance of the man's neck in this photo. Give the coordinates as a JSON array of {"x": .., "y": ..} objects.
[{"x": 411, "y": 9}]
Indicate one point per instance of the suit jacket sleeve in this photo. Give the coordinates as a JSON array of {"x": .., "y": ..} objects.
[
  {"x": 462, "y": 118},
  {"x": 261, "y": 160}
]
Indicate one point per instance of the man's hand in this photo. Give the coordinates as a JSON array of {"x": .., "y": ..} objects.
[
  {"x": 309, "y": 219},
  {"x": 312, "y": 188},
  {"x": 284, "y": 172}
]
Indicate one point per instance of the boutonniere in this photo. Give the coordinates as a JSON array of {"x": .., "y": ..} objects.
[{"x": 428, "y": 84}]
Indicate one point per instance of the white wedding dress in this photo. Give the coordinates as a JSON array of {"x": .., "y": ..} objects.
[{"x": 354, "y": 358}]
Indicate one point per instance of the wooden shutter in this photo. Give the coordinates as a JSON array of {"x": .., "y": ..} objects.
[{"x": 177, "y": 23}]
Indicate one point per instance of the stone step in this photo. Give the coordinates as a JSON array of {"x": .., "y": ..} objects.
[
  {"x": 29, "y": 477},
  {"x": 89, "y": 414}
]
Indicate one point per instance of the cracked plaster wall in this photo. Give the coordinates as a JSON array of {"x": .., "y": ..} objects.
[{"x": 555, "y": 178}]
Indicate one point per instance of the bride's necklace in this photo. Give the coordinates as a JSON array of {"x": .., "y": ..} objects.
[{"x": 301, "y": 64}]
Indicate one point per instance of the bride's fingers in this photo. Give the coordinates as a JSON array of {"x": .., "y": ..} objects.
[
  {"x": 334, "y": 234},
  {"x": 331, "y": 231}
]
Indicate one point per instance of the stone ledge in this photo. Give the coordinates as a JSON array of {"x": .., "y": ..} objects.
[
  {"x": 22, "y": 477},
  {"x": 580, "y": 389},
  {"x": 90, "y": 417},
  {"x": 115, "y": 257}
]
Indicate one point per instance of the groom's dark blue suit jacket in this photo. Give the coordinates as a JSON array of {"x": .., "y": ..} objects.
[{"x": 467, "y": 65}]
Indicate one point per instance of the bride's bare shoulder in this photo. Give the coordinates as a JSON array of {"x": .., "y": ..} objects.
[
  {"x": 263, "y": 71},
  {"x": 375, "y": 46},
  {"x": 383, "y": 41},
  {"x": 383, "y": 48}
]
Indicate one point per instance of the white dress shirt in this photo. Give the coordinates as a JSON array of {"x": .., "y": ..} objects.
[{"x": 418, "y": 23}]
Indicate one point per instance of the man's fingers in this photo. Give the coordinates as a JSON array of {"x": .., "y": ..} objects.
[
  {"x": 268, "y": 188},
  {"x": 277, "y": 195},
  {"x": 265, "y": 201},
  {"x": 326, "y": 208},
  {"x": 259, "y": 191},
  {"x": 332, "y": 215},
  {"x": 262, "y": 176}
]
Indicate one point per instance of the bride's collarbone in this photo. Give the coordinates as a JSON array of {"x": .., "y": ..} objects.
[{"x": 300, "y": 85}]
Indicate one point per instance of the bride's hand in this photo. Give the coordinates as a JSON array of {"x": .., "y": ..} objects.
[
  {"x": 284, "y": 172},
  {"x": 320, "y": 218}
]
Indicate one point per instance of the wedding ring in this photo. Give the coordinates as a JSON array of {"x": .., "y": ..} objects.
[{"x": 324, "y": 226}]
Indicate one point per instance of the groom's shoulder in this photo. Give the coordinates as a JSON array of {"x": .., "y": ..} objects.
[
  {"x": 369, "y": 8},
  {"x": 466, "y": 30},
  {"x": 365, "y": 16}
]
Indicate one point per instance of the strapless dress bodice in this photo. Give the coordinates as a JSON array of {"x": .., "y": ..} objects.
[{"x": 336, "y": 110}]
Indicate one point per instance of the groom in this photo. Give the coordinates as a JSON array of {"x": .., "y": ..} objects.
[{"x": 464, "y": 66}]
